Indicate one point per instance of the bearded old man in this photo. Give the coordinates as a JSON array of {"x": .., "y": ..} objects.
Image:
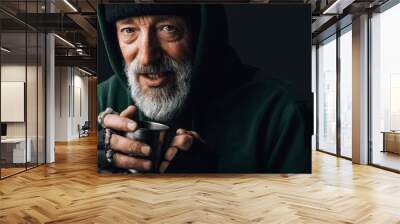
[{"x": 173, "y": 65}]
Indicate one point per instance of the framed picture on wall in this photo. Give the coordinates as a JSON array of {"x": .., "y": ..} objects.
[{"x": 198, "y": 88}]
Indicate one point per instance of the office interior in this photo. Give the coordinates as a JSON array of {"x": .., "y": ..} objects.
[
  {"x": 48, "y": 87},
  {"x": 48, "y": 80}
]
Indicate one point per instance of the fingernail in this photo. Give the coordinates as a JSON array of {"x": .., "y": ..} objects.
[
  {"x": 145, "y": 150},
  {"x": 132, "y": 126}
]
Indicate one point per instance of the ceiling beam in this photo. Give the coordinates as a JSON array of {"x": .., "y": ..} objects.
[
  {"x": 84, "y": 24},
  {"x": 337, "y": 6},
  {"x": 83, "y": 61}
]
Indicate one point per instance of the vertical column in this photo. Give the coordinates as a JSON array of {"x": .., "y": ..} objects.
[
  {"x": 50, "y": 92},
  {"x": 360, "y": 90}
]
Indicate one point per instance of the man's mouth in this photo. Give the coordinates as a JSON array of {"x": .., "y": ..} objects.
[{"x": 155, "y": 79}]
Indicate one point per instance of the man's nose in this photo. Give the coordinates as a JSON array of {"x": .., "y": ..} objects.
[{"x": 149, "y": 49}]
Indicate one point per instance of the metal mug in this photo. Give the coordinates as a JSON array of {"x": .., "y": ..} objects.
[{"x": 155, "y": 135}]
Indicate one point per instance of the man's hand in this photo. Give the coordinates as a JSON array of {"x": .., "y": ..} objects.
[
  {"x": 126, "y": 149},
  {"x": 182, "y": 141}
]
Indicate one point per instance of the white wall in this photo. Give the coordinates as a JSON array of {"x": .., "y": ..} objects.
[
  {"x": 71, "y": 102},
  {"x": 80, "y": 97},
  {"x": 61, "y": 105}
]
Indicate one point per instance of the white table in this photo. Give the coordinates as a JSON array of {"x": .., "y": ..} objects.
[{"x": 18, "y": 145}]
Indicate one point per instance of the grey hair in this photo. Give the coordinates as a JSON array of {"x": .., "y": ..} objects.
[{"x": 161, "y": 103}]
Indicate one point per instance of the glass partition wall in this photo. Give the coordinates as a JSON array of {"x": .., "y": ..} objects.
[
  {"x": 327, "y": 95},
  {"x": 22, "y": 79},
  {"x": 334, "y": 94},
  {"x": 385, "y": 89}
]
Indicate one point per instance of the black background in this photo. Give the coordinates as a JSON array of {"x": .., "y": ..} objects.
[{"x": 275, "y": 38}]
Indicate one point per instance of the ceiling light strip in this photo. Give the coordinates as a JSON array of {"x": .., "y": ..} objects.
[
  {"x": 326, "y": 11},
  {"x": 338, "y": 7},
  {"x": 64, "y": 40},
  {"x": 84, "y": 71},
  {"x": 70, "y": 5}
]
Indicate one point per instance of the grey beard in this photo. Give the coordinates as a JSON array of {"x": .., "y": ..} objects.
[{"x": 161, "y": 103}]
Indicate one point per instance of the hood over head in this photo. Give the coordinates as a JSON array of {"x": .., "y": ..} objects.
[{"x": 215, "y": 65}]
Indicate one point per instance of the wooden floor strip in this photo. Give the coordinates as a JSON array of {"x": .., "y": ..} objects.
[{"x": 71, "y": 191}]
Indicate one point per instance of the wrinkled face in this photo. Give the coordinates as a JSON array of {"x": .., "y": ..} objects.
[{"x": 157, "y": 55}]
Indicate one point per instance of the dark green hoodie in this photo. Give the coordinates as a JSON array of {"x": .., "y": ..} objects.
[{"x": 250, "y": 123}]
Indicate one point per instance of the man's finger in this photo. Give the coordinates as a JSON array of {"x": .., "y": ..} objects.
[
  {"x": 129, "y": 146},
  {"x": 129, "y": 162},
  {"x": 119, "y": 123},
  {"x": 170, "y": 154},
  {"x": 181, "y": 131},
  {"x": 128, "y": 112},
  {"x": 183, "y": 141},
  {"x": 196, "y": 135},
  {"x": 163, "y": 166}
]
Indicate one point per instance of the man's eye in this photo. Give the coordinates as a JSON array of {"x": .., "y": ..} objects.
[
  {"x": 169, "y": 28},
  {"x": 128, "y": 30},
  {"x": 170, "y": 32}
]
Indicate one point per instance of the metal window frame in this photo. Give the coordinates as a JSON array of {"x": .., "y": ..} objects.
[
  {"x": 337, "y": 34},
  {"x": 44, "y": 73}
]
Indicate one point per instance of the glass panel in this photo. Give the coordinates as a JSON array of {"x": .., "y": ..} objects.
[
  {"x": 385, "y": 87},
  {"x": 13, "y": 93},
  {"x": 313, "y": 88},
  {"x": 32, "y": 87},
  {"x": 31, "y": 97},
  {"x": 327, "y": 96},
  {"x": 345, "y": 94},
  {"x": 23, "y": 84}
]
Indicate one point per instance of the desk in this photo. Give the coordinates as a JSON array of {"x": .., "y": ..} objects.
[
  {"x": 391, "y": 141},
  {"x": 13, "y": 150}
]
